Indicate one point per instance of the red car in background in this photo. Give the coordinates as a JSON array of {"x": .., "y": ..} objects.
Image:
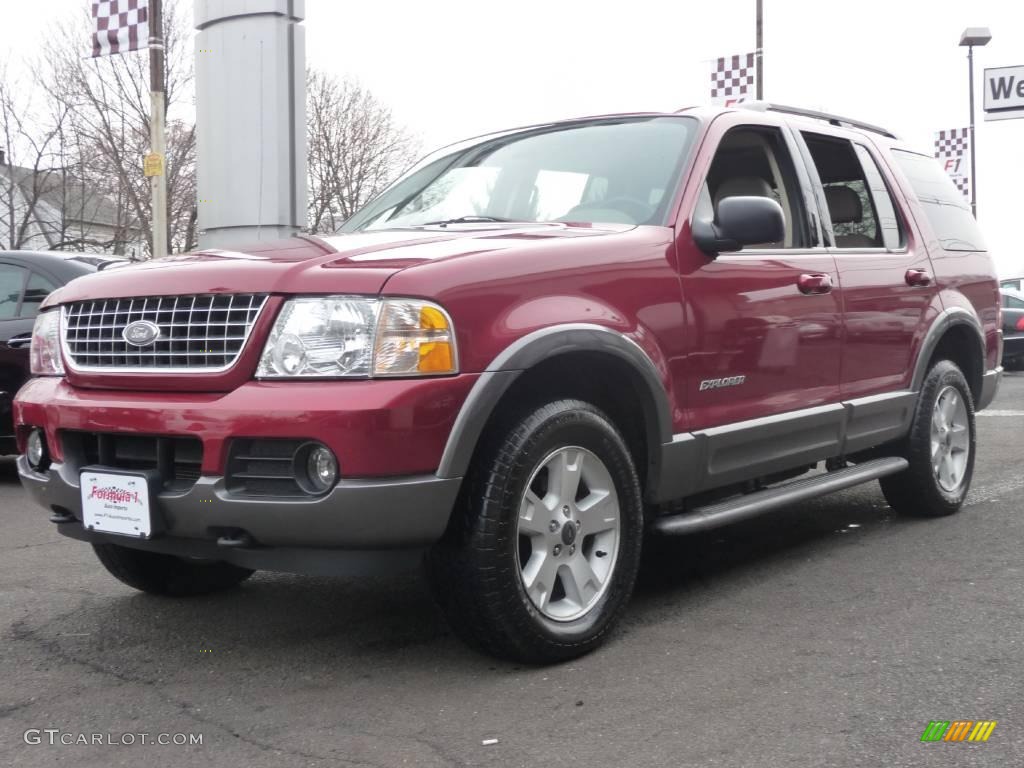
[{"x": 1013, "y": 328}]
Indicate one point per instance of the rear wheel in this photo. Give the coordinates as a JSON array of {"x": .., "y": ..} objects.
[
  {"x": 940, "y": 448},
  {"x": 161, "y": 574},
  {"x": 542, "y": 553}
]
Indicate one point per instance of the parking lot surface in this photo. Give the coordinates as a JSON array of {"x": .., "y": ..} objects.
[{"x": 827, "y": 634}]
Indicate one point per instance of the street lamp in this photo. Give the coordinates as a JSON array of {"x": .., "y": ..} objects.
[{"x": 971, "y": 37}]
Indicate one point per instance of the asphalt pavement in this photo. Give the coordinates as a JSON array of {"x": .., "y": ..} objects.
[{"x": 828, "y": 634}]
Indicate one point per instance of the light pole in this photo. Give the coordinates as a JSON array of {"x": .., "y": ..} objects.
[
  {"x": 759, "y": 50},
  {"x": 971, "y": 37}
]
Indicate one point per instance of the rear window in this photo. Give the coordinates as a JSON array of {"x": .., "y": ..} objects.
[{"x": 947, "y": 210}]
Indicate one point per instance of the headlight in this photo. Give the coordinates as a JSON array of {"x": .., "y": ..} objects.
[
  {"x": 44, "y": 354},
  {"x": 354, "y": 336}
]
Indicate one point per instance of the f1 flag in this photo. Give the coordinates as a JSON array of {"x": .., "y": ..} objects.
[
  {"x": 953, "y": 150},
  {"x": 733, "y": 79},
  {"x": 121, "y": 25}
]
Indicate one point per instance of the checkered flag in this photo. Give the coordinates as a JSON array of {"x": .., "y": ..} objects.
[
  {"x": 953, "y": 150},
  {"x": 121, "y": 25},
  {"x": 733, "y": 79}
]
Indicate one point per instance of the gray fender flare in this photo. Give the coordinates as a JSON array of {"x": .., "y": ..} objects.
[
  {"x": 533, "y": 348},
  {"x": 947, "y": 319}
]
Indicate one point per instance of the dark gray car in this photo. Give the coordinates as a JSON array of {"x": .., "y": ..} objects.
[{"x": 26, "y": 278}]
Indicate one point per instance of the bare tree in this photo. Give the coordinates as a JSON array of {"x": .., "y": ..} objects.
[
  {"x": 30, "y": 141},
  {"x": 356, "y": 148}
]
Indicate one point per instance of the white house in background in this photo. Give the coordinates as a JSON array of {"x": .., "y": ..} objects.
[{"x": 63, "y": 213}]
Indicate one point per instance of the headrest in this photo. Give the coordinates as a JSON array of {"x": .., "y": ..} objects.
[
  {"x": 844, "y": 205},
  {"x": 742, "y": 186}
]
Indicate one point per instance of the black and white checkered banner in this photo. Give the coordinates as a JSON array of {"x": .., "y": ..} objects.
[
  {"x": 120, "y": 25},
  {"x": 953, "y": 150},
  {"x": 733, "y": 79}
]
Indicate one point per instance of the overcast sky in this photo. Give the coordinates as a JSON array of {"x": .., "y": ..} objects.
[{"x": 455, "y": 68}]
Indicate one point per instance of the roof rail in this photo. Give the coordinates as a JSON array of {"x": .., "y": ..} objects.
[{"x": 842, "y": 122}]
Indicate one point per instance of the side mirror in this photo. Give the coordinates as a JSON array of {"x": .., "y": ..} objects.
[{"x": 740, "y": 221}]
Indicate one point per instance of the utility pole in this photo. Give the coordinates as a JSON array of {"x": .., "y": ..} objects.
[
  {"x": 759, "y": 50},
  {"x": 155, "y": 166}
]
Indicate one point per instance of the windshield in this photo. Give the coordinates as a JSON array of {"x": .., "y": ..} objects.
[{"x": 614, "y": 170}]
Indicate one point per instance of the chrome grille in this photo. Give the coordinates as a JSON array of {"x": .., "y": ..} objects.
[{"x": 205, "y": 332}]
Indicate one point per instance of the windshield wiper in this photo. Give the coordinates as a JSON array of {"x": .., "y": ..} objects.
[{"x": 463, "y": 220}]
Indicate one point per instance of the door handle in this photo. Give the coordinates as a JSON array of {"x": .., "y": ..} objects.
[
  {"x": 19, "y": 341},
  {"x": 918, "y": 278},
  {"x": 814, "y": 283}
]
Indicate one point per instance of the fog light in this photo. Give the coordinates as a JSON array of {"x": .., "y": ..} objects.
[
  {"x": 35, "y": 450},
  {"x": 316, "y": 468}
]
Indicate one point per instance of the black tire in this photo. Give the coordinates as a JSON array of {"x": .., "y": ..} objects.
[
  {"x": 917, "y": 492},
  {"x": 475, "y": 568},
  {"x": 160, "y": 574}
]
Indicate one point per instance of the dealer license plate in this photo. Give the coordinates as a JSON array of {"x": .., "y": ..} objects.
[{"x": 116, "y": 504}]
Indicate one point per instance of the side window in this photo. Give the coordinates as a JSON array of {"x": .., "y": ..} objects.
[
  {"x": 12, "y": 281},
  {"x": 893, "y": 236},
  {"x": 947, "y": 210},
  {"x": 38, "y": 288},
  {"x": 754, "y": 161},
  {"x": 1012, "y": 302},
  {"x": 851, "y": 204}
]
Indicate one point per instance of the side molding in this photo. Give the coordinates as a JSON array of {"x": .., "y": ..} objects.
[
  {"x": 719, "y": 456},
  {"x": 532, "y": 349}
]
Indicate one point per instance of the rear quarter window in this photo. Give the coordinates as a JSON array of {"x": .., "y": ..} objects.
[{"x": 948, "y": 212}]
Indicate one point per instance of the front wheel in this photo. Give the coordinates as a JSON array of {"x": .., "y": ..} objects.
[
  {"x": 542, "y": 553},
  {"x": 940, "y": 448}
]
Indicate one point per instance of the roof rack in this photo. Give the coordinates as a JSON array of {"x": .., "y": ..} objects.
[{"x": 842, "y": 122}]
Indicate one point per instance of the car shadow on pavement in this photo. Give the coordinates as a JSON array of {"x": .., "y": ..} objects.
[
  {"x": 334, "y": 625},
  {"x": 679, "y": 564}
]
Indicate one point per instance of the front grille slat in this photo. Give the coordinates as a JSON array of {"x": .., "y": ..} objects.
[
  {"x": 203, "y": 332},
  {"x": 177, "y": 459},
  {"x": 263, "y": 467}
]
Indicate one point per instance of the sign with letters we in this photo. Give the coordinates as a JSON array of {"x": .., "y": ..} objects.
[{"x": 1004, "y": 93}]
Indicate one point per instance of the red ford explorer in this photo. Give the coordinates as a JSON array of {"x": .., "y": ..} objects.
[{"x": 533, "y": 350}]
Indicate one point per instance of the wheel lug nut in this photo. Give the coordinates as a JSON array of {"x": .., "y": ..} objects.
[
  {"x": 554, "y": 526},
  {"x": 557, "y": 550},
  {"x": 565, "y": 510},
  {"x": 579, "y": 524},
  {"x": 572, "y": 550}
]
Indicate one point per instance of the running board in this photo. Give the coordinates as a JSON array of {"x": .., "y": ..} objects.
[{"x": 752, "y": 504}]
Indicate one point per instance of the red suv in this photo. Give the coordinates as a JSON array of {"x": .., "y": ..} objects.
[{"x": 534, "y": 349}]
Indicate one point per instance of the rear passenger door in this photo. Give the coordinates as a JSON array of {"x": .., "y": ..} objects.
[{"x": 884, "y": 271}]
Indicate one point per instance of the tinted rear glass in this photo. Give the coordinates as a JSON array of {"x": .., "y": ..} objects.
[{"x": 948, "y": 211}]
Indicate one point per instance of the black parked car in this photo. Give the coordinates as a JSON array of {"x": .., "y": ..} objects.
[
  {"x": 26, "y": 278},
  {"x": 1013, "y": 329}
]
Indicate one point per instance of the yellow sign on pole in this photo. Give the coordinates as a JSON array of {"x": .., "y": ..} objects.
[{"x": 153, "y": 164}]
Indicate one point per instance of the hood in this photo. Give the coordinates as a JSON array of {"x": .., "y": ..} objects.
[{"x": 358, "y": 263}]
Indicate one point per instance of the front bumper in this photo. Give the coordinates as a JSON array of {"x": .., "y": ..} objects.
[
  {"x": 388, "y": 437},
  {"x": 357, "y": 514}
]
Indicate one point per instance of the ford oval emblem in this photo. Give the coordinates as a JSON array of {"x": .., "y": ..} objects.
[{"x": 141, "y": 333}]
